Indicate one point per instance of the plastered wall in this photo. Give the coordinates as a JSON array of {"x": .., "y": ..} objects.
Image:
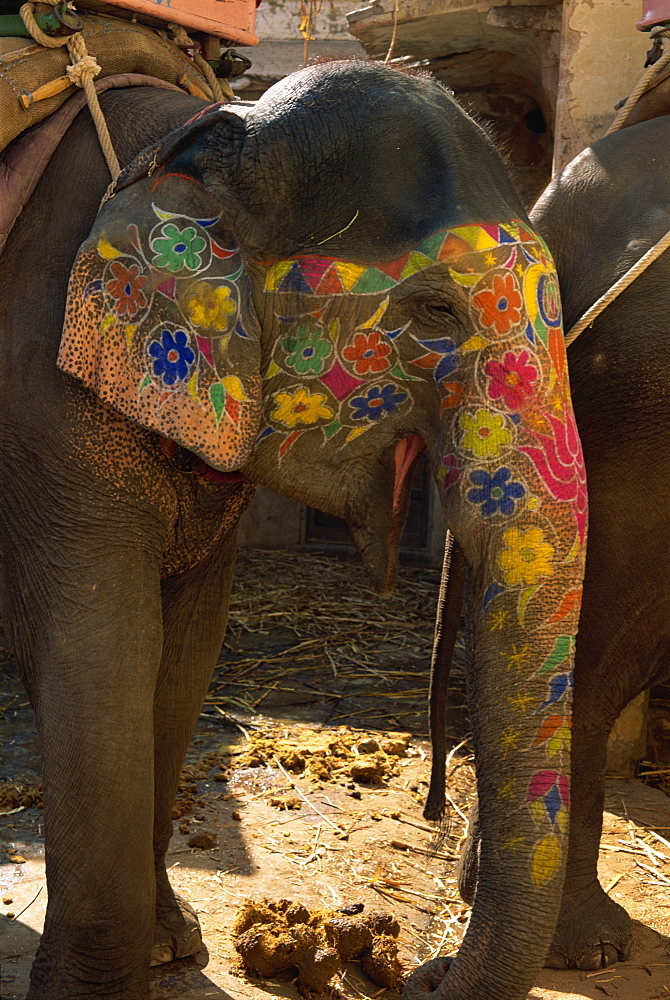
[{"x": 602, "y": 57}]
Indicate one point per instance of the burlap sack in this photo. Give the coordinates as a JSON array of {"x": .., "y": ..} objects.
[{"x": 119, "y": 47}]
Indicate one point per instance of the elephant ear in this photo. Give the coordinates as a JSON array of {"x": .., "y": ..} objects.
[{"x": 154, "y": 318}]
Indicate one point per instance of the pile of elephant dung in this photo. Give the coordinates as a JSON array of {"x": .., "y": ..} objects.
[
  {"x": 331, "y": 755},
  {"x": 188, "y": 797},
  {"x": 14, "y": 797},
  {"x": 279, "y": 936}
]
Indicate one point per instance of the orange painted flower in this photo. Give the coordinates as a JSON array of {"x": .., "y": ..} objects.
[
  {"x": 500, "y": 307},
  {"x": 368, "y": 353},
  {"x": 126, "y": 288}
]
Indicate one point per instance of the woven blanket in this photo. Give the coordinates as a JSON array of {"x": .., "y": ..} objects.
[{"x": 119, "y": 47}]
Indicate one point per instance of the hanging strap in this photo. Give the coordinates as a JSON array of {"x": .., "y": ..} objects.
[{"x": 82, "y": 69}]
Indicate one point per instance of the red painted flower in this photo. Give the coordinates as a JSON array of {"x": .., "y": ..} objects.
[
  {"x": 500, "y": 307},
  {"x": 369, "y": 354},
  {"x": 126, "y": 289},
  {"x": 512, "y": 380}
]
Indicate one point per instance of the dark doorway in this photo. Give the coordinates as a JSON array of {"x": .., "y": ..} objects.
[{"x": 326, "y": 530}]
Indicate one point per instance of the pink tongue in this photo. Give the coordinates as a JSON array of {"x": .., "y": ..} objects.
[{"x": 405, "y": 453}]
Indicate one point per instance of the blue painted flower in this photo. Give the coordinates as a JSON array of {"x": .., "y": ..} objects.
[
  {"x": 377, "y": 402},
  {"x": 172, "y": 356},
  {"x": 495, "y": 493}
]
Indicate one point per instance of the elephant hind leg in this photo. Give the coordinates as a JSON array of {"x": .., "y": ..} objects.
[{"x": 593, "y": 931}]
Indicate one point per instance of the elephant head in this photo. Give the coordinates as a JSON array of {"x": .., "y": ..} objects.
[{"x": 312, "y": 291}]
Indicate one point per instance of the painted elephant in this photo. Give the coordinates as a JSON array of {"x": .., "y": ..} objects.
[
  {"x": 308, "y": 290},
  {"x": 599, "y": 216}
]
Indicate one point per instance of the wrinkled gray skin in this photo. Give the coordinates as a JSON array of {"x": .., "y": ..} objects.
[
  {"x": 117, "y": 562},
  {"x": 599, "y": 216}
]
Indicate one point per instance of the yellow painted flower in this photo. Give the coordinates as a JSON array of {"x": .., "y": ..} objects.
[
  {"x": 210, "y": 305},
  {"x": 301, "y": 407},
  {"x": 485, "y": 433},
  {"x": 526, "y": 557}
]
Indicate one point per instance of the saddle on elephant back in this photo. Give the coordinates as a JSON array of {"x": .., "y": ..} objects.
[{"x": 126, "y": 43}]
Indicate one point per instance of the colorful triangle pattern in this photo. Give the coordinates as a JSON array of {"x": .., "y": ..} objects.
[{"x": 329, "y": 276}]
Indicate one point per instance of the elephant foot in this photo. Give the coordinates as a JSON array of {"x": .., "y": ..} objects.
[
  {"x": 426, "y": 978},
  {"x": 592, "y": 932},
  {"x": 177, "y": 933}
]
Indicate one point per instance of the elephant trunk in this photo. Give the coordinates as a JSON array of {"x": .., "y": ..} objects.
[
  {"x": 514, "y": 497},
  {"x": 519, "y": 695},
  {"x": 523, "y": 792}
]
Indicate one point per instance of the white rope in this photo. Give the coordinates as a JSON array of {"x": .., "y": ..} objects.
[
  {"x": 617, "y": 288},
  {"x": 644, "y": 83}
]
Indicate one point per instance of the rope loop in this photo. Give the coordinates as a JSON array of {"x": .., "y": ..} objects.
[
  {"x": 645, "y": 83},
  {"x": 84, "y": 67},
  {"x": 27, "y": 14}
]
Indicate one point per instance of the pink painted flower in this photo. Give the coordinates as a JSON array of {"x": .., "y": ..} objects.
[
  {"x": 559, "y": 461},
  {"x": 513, "y": 380}
]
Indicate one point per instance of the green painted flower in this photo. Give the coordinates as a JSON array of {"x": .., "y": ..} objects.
[
  {"x": 307, "y": 352},
  {"x": 178, "y": 248}
]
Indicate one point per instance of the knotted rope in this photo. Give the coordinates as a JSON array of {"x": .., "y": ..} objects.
[
  {"x": 82, "y": 70},
  {"x": 658, "y": 34}
]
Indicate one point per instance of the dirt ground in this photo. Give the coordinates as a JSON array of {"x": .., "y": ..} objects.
[{"x": 305, "y": 781}]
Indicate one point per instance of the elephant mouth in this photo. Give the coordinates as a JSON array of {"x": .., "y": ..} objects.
[
  {"x": 379, "y": 549},
  {"x": 406, "y": 453}
]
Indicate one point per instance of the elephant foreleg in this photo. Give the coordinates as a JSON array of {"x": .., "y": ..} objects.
[
  {"x": 195, "y": 611},
  {"x": 86, "y": 625},
  {"x": 446, "y": 627}
]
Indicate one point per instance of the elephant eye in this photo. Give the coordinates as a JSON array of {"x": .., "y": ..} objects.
[{"x": 437, "y": 310}]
